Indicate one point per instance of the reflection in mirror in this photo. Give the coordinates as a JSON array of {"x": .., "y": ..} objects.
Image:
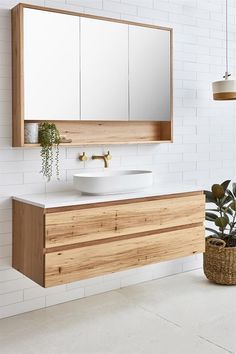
[
  {"x": 91, "y": 69},
  {"x": 51, "y": 65},
  {"x": 104, "y": 70},
  {"x": 149, "y": 74}
]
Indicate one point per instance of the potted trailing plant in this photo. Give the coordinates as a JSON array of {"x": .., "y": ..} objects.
[
  {"x": 219, "y": 260},
  {"x": 49, "y": 139}
]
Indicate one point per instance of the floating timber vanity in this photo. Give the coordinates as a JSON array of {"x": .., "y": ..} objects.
[{"x": 63, "y": 237}]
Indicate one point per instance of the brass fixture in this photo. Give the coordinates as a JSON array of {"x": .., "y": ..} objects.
[
  {"x": 105, "y": 158},
  {"x": 83, "y": 157}
]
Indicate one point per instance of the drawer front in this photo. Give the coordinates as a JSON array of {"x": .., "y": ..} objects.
[
  {"x": 91, "y": 261},
  {"x": 97, "y": 223}
]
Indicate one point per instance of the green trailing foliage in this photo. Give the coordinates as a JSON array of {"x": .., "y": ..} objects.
[
  {"x": 49, "y": 139},
  {"x": 223, "y": 213}
]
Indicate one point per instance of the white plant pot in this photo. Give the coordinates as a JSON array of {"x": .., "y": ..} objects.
[{"x": 31, "y": 133}]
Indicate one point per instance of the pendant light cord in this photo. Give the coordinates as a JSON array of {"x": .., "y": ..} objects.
[{"x": 226, "y": 37}]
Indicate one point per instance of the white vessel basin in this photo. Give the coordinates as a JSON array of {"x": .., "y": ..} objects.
[{"x": 113, "y": 182}]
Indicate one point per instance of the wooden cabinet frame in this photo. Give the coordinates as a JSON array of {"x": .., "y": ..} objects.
[
  {"x": 82, "y": 132},
  {"x": 59, "y": 245}
]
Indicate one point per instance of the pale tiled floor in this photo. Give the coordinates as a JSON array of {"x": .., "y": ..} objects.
[{"x": 181, "y": 314}]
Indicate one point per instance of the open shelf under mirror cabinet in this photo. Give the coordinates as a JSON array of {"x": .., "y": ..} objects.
[{"x": 90, "y": 101}]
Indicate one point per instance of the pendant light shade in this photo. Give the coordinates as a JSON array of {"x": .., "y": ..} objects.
[{"x": 225, "y": 89}]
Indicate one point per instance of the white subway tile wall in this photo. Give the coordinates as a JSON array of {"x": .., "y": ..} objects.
[{"x": 203, "y": 152}]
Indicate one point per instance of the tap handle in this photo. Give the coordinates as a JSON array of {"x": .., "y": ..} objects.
[
  {"x": 108, "y": 155},
  {"x": 83, "y": 157}
]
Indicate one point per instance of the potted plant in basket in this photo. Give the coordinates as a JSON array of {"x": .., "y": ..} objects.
[{"x": 219, "y": 260}]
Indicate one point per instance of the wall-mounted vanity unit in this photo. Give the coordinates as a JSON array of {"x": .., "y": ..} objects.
[
  {"x": 102, "y": 80},
  {"x": 63, "y": 237}
]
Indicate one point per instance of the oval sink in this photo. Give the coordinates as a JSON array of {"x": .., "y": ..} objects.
[{"x": 113, "y": 182}]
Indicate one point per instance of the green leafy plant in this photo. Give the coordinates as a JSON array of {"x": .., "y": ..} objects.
[
  {"x": 49, "y": 139},
  {"x": 223, "y": 213}
]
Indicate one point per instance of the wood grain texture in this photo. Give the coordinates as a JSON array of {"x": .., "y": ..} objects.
[
  {"x": 221, "y": 96},
  {"x": 113, "y": 132},
  {"x": 166, "y": 131},
  {"x": 80, "y": 14},
  {"x": 64, "y": 228},
  {"x": 105, "y": 238},
  {"x": 83, "y": 132},
  {"x": 81, "y": 263},
  {"x": 117, "y": 238},
  {"x": 17, "y": 77},
  {"x": 28, "y": 241}
]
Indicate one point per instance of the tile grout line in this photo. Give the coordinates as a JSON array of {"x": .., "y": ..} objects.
[
  {"x": 171, "y": 322},
  {"x": 217, "y": 345},
  {"x": 174, "y": 323},
  {"x": 162, "y": 318},
  {"x": 147, "y": 310},
  {"x": 179, "y": 326}
]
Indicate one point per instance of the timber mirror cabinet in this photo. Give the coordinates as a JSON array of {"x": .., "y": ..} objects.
[{"x": 100, "y": 80}]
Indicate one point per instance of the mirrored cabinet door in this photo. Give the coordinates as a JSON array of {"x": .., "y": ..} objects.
[
  {"x": 149, "y": 74},
  {"x": 51, "y": 65},
  {"x": 104, "y": 70}
]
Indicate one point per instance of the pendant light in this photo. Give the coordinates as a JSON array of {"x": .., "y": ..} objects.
[{"x": 225, "y": 89}]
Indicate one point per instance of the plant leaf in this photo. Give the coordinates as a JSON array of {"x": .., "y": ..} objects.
[
  {"x": 226, "y": 199},
  {"x": 233, "y": 205},
  {"x": 209, "y": 197},
  {"x": 225, "y": 184},
  {"x": 213, "y": 231},
  {"x": 234, "y": 188},
  {"x": 211, "y": 216},
  {"x": 228, "y": 191},
  {"x": 218, "y": 191},
  {"x": 227, "y": 210},
  {"x": 221, "y": 222},
  {"x": 226, "y": 217}
]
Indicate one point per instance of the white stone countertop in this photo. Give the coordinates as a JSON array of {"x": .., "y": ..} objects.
[{"x": 73, "y": 197}]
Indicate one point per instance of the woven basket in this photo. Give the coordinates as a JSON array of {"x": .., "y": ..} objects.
[{"x": 219, "y": 262}]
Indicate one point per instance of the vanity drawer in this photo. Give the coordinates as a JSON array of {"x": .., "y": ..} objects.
[
  {"x": 116, "y": 220},
  {"x": 91, "y": 261}
]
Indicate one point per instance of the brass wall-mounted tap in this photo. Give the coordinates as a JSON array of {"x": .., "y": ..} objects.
[
  {"x": 105, "y": 158},
  {"x": 83, "y": 157}
]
